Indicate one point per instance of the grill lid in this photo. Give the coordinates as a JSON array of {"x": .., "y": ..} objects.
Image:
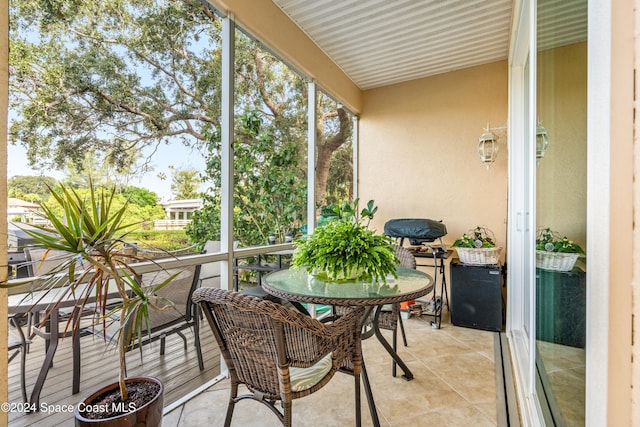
[{"x": 417, "y": 230}]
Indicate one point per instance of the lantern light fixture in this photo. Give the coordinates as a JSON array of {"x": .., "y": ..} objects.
[
  {"x": 542, "y": 141},
  {"x": 488, "y": 144},
  {"x": 488, "y": 147}
]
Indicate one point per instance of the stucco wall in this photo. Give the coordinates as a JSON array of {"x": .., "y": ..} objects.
[
  {"x": 418, "y": 150},
  {"x": 635, "y": 380}
]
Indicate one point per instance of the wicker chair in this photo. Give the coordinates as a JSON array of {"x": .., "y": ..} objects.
[
  {"x": 389, "y": 317},
  {"x": 276, "y": 352}
]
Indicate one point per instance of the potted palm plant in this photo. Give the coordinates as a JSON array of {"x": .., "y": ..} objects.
[
  {"x": 343, "y": 247},
  {"x": 92, "y": 229}
]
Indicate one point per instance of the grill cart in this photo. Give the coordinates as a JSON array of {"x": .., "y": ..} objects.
[{"x": 425, "y": 238}]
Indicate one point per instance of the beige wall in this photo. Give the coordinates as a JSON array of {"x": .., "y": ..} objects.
[
  {"x": 418, "y": 150},
  {"x": 561, "y": 198},
  {"x": 621, "y": 192},
  {"x": 635, "y": 354}
]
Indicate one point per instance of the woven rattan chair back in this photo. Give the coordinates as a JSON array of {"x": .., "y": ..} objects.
[
  {"x": 260, "y": 340},
  {"x": 390, "y": 319},
  {"x": 405, "y": 257}
]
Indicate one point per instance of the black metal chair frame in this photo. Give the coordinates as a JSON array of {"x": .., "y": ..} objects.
[{"x": 18, "y": 345}]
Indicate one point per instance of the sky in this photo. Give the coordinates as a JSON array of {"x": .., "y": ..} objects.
[{"x": 176, "y": 154}]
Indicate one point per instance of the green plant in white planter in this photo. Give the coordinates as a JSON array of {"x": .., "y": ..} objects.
[
  {"x": 554, "y": 252},
  {"x": 344, "y": 248},
  {"x": 477, "y": 247}
]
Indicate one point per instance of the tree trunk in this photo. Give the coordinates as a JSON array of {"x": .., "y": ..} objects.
[{"x": 325, "y": 149}]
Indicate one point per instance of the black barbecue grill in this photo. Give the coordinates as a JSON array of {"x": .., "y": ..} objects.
[
  {"x": 417, "y": 230},
  {"x": 422, "y": 233}
]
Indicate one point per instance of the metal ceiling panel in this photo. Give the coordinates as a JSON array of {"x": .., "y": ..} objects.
[
  {"x": 561, "y": 22},
  {"x": 381, "y": 42}
]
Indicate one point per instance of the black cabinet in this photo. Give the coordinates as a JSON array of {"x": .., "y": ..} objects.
[
  {"x": 476, "y": 296},
  {"x": 561, "y": 307}
]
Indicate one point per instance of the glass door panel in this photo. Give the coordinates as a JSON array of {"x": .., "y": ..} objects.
[{"x": 561, "y": 190}]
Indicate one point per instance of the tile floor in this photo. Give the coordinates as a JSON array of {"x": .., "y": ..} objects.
[{"x": 454, "y": 385}]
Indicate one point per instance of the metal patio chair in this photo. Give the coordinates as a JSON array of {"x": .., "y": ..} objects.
[
  {"x": 184, "y": 314},
  {"x": 17, "y": 344}
]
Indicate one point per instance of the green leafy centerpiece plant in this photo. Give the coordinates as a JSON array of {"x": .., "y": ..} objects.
[
  {"x": 477, "y": 247},
  {"x": 92, "y": 230},
  {"x": 556, "y": 252},
  {"x": 343, "y": 248}
]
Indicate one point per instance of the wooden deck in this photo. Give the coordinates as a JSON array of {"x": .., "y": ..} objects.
[{"x": 178, "y": 369}]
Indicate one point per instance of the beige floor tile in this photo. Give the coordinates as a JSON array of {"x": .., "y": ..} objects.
[
  {"x": 453, "y": 385},
  {"x": 436, "y": 344},
  {"x": 172, "y": 419},
  {"x": 489, "y": 409},
  {"x": 395, "y": 397},
  {"x": 464, "y": 416},
  {"x": 470, "y": 374}
]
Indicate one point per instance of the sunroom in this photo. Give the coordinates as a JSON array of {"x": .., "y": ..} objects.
[{"x": 422, "y": 83}]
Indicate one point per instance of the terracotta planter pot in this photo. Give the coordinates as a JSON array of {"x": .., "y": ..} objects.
[{"x": 150, "y": 414}]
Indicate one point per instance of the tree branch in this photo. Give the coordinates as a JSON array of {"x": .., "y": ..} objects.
[{"x": 275, "y": 109}]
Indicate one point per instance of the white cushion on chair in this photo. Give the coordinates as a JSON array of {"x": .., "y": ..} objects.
[{"x": 305, "y": 378}]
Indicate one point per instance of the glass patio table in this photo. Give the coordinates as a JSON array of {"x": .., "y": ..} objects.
[{"x": 298, "y": 285}]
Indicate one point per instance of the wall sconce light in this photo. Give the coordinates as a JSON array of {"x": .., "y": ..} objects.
[
  {"x": 488, "y": 144},
  {"x": 542, "y": 141},
  {"x": 488, "y": 147}
]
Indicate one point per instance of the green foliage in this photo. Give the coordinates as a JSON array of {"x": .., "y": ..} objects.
[
  {"x": 340, "y": 179},
  {"x": 184, "y": 184},
  {"x": 21, "y": 185},
  {"x": 269, "y": 191},
  {"x": 143, "y": 215},
  {"x": 479, "y": 237},
  {"x": 550, "y": 241},
  {"x": 347, "y": 211},
  {"x": 110, "y": 77},
  {"x": 31, "y": 197},
  {"x": 205, "y": 223},
  {"x": 165, "y": 240},
  {"x": 140, "y": 196},
  {"x": 105, "y": 80},
  {"x": 344, "y": 247},
  {"x": 96, "y": 168}
]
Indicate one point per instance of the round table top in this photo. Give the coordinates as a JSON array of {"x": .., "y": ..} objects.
[{"x": 298, "y": 285}]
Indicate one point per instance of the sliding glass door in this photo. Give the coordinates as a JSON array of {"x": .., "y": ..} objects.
[
  {"x": 561, "y": 207},
  {"x": 547, "y": 202}
]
